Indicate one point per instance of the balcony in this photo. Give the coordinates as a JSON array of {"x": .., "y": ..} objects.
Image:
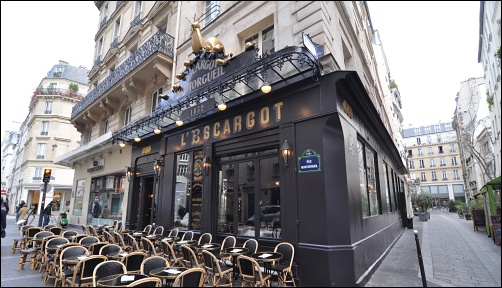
[
  {"x": 56, "y": 91},
  {"x": 159, "y": 42},
  {"x": 97, "y": 61},
  {"x": 118, "y": 4},
  {"x": 44, "y": 133},
  {"x": 443, "y": 164},
  {"x": 40, "y": 157},
  {"x": 433, "y": 165},
  {"x": 37, "y": 178},
  {"x": 136, "y": 20},
  {"x": 114, "y": 43},
  {"x": 444, "y": 179},
  {"x": 103, "y": 22},
  {"x": 434, "y": 179}
]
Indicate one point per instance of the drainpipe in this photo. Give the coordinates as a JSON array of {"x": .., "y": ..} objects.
[{"x": 175, "y": 48}]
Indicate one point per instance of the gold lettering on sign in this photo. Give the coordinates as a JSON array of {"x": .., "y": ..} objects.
[
  {"x": 347, "y": 109},
  {"x": 261, "y": 117},
  {"x": 146, "y": 150}
]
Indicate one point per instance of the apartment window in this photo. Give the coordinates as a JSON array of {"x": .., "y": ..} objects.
[
  {"x": 487, "y": 148},
  {"x": 431, "y": 152},
  {"x": 447, "y": 126},
  {"x": 99, "y": 51},
  {"x": 211, "y": 9},
  {"x": 116, "y": 32},
  {"x": 438, "y": 138},
  {"x": 41, "y": 151},
  {"x": 89, "y": 135},
  {"x": 48, "y": 107},
  {"x": 434, "y": 176},
  {"x": 127, "y": 116},
  {"x": 454, "y": 161},
  {"x": 452, "y": 147},
  {"x": 456, "y": 175},
  {"x": 419, "y": 141},
  {"x": 137, "y": 8},
  {"x": 442, "y": 162},
  {"x": 412, "y": 165},
  {"x": 45, "y": 128},
  {"x": 440, "y": 149},
  {"x": 368, "y": 181},
  {"x": 429, "y": 139},
  {"x": 432, "y": 162},
  {"x": 445, "y": 175},
  {"x": 264, "y": 40},
  {"x": 422, "y": 177},
  {"x": 182, "y": 170},
  {"x": 38, "y": 174},
  {"x": 422, "y": 165},
  {"x": 427, "y": 129},
  {"x": 417, "y": 131},
  {"x": 79, "y": 197},
  {"x": 156, "y": 99},
  {"x": 410, "y": 153},
  {"x": 420, "y": 152},
  {"x": 105, "y": 126},
  {"x": 437, "y": 128}
]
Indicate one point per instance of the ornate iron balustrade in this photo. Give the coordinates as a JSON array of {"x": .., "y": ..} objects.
[
  {"x": 97, "y": 61},
  {"x": 160, "y": 42},
  {"x": 103, "y": 23},
  {"x": 114, "y": 43},
  {"x": 245, "y": 75},
  {"x": 118, "y": 4}
]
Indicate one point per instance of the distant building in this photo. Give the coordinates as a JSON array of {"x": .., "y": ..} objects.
[
  {"x": 47, "y": 133},
  {"x": 11, "y": 139},
  {"x": 434, "y": 161}
]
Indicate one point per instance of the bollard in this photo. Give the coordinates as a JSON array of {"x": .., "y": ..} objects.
[{"x": 420, "y": 262}]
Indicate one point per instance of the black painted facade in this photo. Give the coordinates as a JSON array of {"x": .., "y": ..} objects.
[{"x": 321, "y": 212}]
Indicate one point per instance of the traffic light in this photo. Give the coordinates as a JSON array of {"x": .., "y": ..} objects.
[{"x": 47, "y": 175}]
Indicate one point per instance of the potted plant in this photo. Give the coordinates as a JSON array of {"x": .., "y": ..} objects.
[
  {"x": 461, "y": 209},
  {"x": 423, "y": 202}
]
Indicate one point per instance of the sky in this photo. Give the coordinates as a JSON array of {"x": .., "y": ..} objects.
[
  {"x": 35, "y": 36},
  {"x": 430, "y": 47}
]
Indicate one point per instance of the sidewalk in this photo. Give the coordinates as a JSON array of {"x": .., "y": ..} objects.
[{"x": 454, "y": 255}]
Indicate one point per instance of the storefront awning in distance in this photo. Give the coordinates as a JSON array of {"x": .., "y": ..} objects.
[{"x": 68, "y": 158}]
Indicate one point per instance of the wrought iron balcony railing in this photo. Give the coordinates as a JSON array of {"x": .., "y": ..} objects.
[
  {"x": 136, "y": 20},
  {"x": 115, "y": 42},
  {"x": 160, "y": 42},
  {"x": 98, "y": 60},
  {"x": 118, "y": 4},
  {"x": 103, "y": 23}
]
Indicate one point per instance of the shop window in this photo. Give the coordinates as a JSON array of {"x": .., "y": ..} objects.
[
  {"x": 367, "y": 179},
  {"x": 79, "y": 197},
  {"x": 105, "y": 199},
  {"x": 387, "y": 190},
  {"x": 187, "y": 208}
]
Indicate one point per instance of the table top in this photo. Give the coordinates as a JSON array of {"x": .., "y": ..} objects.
[
  {"x": 267, "y": 256},
  {"x": 119, "y": 279},
  {"x": 209, "y": 246},
  {"x": 186, "y": 242},
  {"x": 171, "y": 239},
  {"x": 116, "y": 255},
  {"x": 167, "y": 272},
  {"x": 73, "y": 260},
  {"x": 235, "y": 251},
  {"x": 154, "y": 236}
]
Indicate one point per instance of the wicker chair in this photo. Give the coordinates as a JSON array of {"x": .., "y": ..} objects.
[
  {"x": 80, "y": 237},
  {"x": 283, "y": 267},
  {"x": 133, "y": 261},
  {"x": 159, "y": 230},
  {"x": 29, "y": 248},
  {"x": 150, "y": 248},
  {"x": 153, "y": 262},
  {"x": 169, "y": 253},
  {"x": 193, "y": 277},
  {"x": 189, "y": 258},
  {"x": 85, "y": 230},
  {"x": 205, "y": 238},
  {"x": 37, "y": 244},
  {"x": 252, "y": 245},
  {"x": 87, "y": 241},
  {"x": 132, "y": 244},
  {"x": 173, "y": 233},
  {"x": 215, "y": 272},
  {"x": 147, "y": 229},
  {"x": 92, "y": 231},
  {"x": 53, "y": 265},
  {"x": 251, "y": 273},
  {"x": 64, "y": 271},
  {"x": 107, "y": 268},
  {"x": 146, "y": 282},
  {"x": 69, "y": 233},
  {"x": 21, "y": 240},
  {"x": 108, "y": 237},
  {"x": 49, "y": 257},
  {"x": 56, "y": 230},
  {"x": 41, "y": 258},
  {"x": 110, "y": 248},
  {"x": 119, "y": 240},
  {"x": 228, "y": 242},
  {"x": 187, "y": 236},
  {"x": 49, "y": 226},
  {"x": 119, "y": 227},
  {"x": 82, "y": 273},
  {"x": 95, "y": 247}
]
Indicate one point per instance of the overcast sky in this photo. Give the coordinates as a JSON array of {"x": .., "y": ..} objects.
[{"x": 430, "y": 46}]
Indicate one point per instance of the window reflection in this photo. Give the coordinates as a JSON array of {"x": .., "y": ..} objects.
[{"x": 182, "y": 190}]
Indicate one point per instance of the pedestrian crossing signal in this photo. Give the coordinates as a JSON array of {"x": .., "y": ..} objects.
[{"x": 47, "y": 175}]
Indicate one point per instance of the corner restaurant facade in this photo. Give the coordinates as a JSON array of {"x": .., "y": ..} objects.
[{"x": 339, "y": 199}]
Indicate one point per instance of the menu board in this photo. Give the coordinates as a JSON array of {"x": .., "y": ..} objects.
[
  {"x": 496, "y": 233},
  {"x": 478, "y": 218},
  {"x": 196, "y": 193}
]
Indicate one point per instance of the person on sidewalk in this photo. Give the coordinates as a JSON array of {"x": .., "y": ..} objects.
[
  {"x": 47, "y": 213},
  {"x": 106, "y": 212},
  {"x": 18, "y": 207},
  {"x": 4, "y": 208},
  {"x": 22, "y": 213}
]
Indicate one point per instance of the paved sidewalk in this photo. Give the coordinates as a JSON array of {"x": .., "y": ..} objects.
[{"x": 454, "y": 255}]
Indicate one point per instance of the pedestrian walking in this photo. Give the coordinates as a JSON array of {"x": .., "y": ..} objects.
[
  {"x": 18, "y": 207},
  {"x": 22, "y": 213},
  {"x": 4, "y": 208},
  {"x": 47, "y": 213}
]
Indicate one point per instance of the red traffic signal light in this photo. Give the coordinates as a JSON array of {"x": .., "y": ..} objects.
[{"x": 47, "y": 175}]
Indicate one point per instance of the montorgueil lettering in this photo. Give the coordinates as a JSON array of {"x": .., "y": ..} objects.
[
  {"x": 263, "y": 117},
  {"x": 208, "y": 76}
]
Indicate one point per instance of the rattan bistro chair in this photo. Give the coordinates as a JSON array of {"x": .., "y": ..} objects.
[
  {"x": 283, "y": 266},
  {"x": 132, "y": 244},
  {"x": 107, "y": 268},
  {"x": 220, "y": 276},
  {"x": 193, "y": 277},
  {"x": 153, "y": 262},
  {"x": 110, "y": 248},
  {"x": 150, "y": 248},
  {"x": 252, "y": 245},
  {"x": 189, "y": 258},
  {"x": 64, "y": 270},
  {"x": 133, "y": 261},
  {"x": 251, "y": 273},
  {"x": 82, "y": 273},
  {"x": 172, "y": 256}
]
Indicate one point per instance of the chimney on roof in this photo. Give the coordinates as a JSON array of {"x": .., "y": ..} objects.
[
  {"x": 82, "y": 66},
  {"x": 63, "y": 62}
]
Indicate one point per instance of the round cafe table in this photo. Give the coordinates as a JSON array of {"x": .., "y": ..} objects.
[
  {"x": 119, "y": 279},
  {"x": 167, "y": 273},
  {"x": 116, "y": 255},
  {"x": 171, "y": 239},
  {"x": 186, "y": 242},
  {"x": 73, "y": 260},
  {"x": 235, "y": 252},
  {"x": 267, "y": 258}
]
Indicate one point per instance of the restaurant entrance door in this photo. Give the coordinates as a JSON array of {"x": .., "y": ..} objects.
[{"x": 146, "y": 192}]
